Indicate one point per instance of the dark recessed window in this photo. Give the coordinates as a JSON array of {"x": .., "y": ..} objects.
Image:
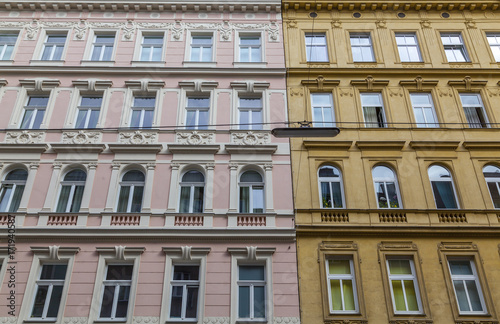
[
  {"x": 445, "y": 15},
  {"x": 401, "y": 15},
  {"x": 313, "y": 15},
  {"x": 356, "y": 15}
]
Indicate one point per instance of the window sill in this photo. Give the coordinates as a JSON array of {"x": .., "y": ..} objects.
[
  {"x": 102, "y": 320},
  {"x": 200, "y": 64},
  {"x": 175, "y": 321},
  {"x": 250, "y": 64},
  {"x": 251, "y": 321},
  {"x": 148, "y": 63},
  {"x": 40, "y": 320},
  {"x": 6, "y": 62},
  {"x": 97, "y": 63},
  {"x": 44, "y": 62}
]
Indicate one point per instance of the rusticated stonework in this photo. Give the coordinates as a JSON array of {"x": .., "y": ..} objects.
[
  {"x": 81, "y": 137},
  {"x": 250, "y": 138},
  {"x": 195, "y": 138},
  {"x": 137, "y": 137},
  {"x": 24, "y": 137}
]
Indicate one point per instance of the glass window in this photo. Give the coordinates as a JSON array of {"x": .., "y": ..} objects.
[
  {"x": 142, "y": 112},
  {"x": 12, "y": 190},
  {"x": 192, "y": 192},
  {"x": 330, "y": 183},
  {"x": 201, "y": 48},
  {"x": 386, "y": 187},
  {"x": 102, "y": 48},
  {"x": 492, "y": 175},
  {"x": 131, "y": 192},
  {"x": 316, "y": 49},
  {"x": 467, "y": 287},
  {"x": 251, "y": 192},
  {"x": 53, "y": 47},
  {"x": 7, "y": 43},
  {"x": 322, "y": 110},
  {"x": 70, "y": 197},
  {"x": 197, "y": 112},
  {"x": 494, "y": 41},
  {"x": 408, "y": 47},
  {"x": 361, "y": 46},
  {"x": 403, "y": 286},
  {"x": 250, "y": 110},
  {"x": 116, "y": 291},
  {"x": 251, "y": 292},
  {"x": 185, "y": 286},
  {"x": 442, "y": 187},
  {"x": 474, "y": 110},
  {"x": 373, "y": 110},
  {"x": 423, "y": 109},
  {"x": 88, "y": 112},
  {"x": 151, "y": 48},
  {"x": 341, "y": 285},
  {"x": 250, "y": 48},
  {"x": 49, "y": 289},
  {"x": 454, "y": 47},
  {"x": 34, "y": 112}
]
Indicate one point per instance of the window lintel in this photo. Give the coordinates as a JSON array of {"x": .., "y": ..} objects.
[
  {"x": 198, "y": 85},
  {"x": 39, "y": 85},
  {"x": 419, "y": 83},
  {"x": 320, "y": 83},
  {"x": 397, "y": 246},
  {"x": 3, "y": 82},
  {"x": 146, "y": 86},
  {"x": 250, "y": 86},
  {"x": 92, "y": 85},
  {"x": 370, "y": 83},
  {"x": 330, "y": 246},
  {"x": 468, "y": 84}
]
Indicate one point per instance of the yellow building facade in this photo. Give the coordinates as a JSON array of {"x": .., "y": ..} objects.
[{"x": 398, "y": 217}]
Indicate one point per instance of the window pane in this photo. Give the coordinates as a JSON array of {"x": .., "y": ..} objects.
[
  {"x": 443, "y": 194},
  {"x": 186, "y": 272},
  {"x": 193, "y": 176},
  {"x": 77, "y": 199},
  {"x": 259, "y": 302},
  {"x": 40, "y": 297},
  {"x": 63, "y": 199},
  {"x": 53, "y": 271},
  {"x": 191, "y": 302},
  {"x": 475, "y": 300},
  {"x": 16, "y": 200},
  {"x": 5, "y": 197},
  {"x": 123, "y": 199},
  {"x": 145, "y": 53},
  {"x": 244, "y": 302},
  {"x": 411, "y": 295},
  {"x": 336, "y": 295},
  {"x": 122, "y": 305},
  {"x": 399, "y": 300},
  {"x": 119, "y": 272},
  {"x": 137, "y": 199},
  {"x": 326, "y": 197},
  {"x": 185, "y": 198},
  {"x": 134, "y": 175},
  {"x": 399, "y": 267},
  {"x": 258, "y": 199},
  {"x": 339, "y": 267},
  {"x": 348, "y": 295},
  {"x": 458, "y": 267},
  {"x": 198, "y": 200},
  {"x": 55, "y": 301},
  {"x": 337, "y": 195},
  {"x": 251, "y": 273},
  {"x": 393, "y": 195},
  {"x": 176, "y": 302},
  {"x": 251, "y": 176},
  {"x": 244, "y": 199},
  {"x": 495, "y": 194},
  {"x": 463, "y": 304},
  {"x": 107, "y": 301}
]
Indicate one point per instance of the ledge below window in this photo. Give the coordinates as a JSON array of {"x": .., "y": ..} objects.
[{"x": 250, "y": 64}]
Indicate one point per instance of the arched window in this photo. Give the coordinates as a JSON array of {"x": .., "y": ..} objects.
[
  {"x": 386, "y": 187},
  {"x": 251, "y": 192},
  {"x": 71, "y": 194},
  {"x": 442, "y": 187},
  {"x": 330, "y": 185},
  {"x": 12, "y": 190},
  {"x": 492, "y": 176},
  {"x": 192, "y": 192},
  {"x": 131, "y": 191}
]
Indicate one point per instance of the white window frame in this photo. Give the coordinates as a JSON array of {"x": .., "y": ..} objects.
[
  {"x": 351, "y": 276},
  {"x": 450, "y": 179},
  {"x": 142, "y": 37},
  {"x": 50, "y": 283},
  {"x": 493, "y": 180},
  {"x": 73, "y": 185},
  {"x": 364, "y": 35},
  {"x": 405, "y": 46},
  {"x": 192, "y": 186},
  {"x": 381, "y": 113},
  {"x": 89, "y": 110},
  {"x": 53, "y": 46},
  {"x": 312, "y": 48},
  {"x": 36, "y": 111},
  {"x": 251, "y": 185},
  {"x": 142, "y": 112},
  {"x": 242, "y": 35},
  {"x": 249, "y": 125},
  {"x": 383, "y": 181},
  {"x": 251, "y": 256},
  {"x": 324, "y": 111},
  {"x": 329, "y": 180},
  {"x": 118, "y": 284},
  {"x": 422, "y": 108},
  {"x": 482, "y": 124},
  {"x": 47, "y": 255},
  {"x": 192, "y": 36},
  {"x": 190, "y": 256},
  {"x": 401, "y": 278},
  {"x": 115, "y": 256},
  {"x": 463, "y": 278},
  {"x": 4, "y": 46},
  {"x": 14, "y": 184},
  {"x": 132, "y": 185},
  {"x": 494, "y": 42},
  {"x": 103, "y": 49},
  {"x": 449, "y": 46},
  {"x": 197, "y": 110}
]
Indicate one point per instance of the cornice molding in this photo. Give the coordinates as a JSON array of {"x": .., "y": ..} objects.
[
  {"x": 467, "y": 83},
  {"x": 92, "y": 85},
  {"x": 251, "y": 149},
  {"x": 196, "y": 149},
  {"x": 328, "y": 145},
  {"x": 396, "y": 5},
  {"x": 490, "y": 146},
  {"x": 78, "y": 148},
  {"x": 23, "y": 148},
  {"x": 370, "y": 83},
  {"x": 320, "y": 83},
  {"x": 378, "y": 145},
  {"x": 419, "y": 83},
  {"x": 136, "y": 149},
  {"x": 432, "y": 146},
  {"x": 39, "y": 84}
]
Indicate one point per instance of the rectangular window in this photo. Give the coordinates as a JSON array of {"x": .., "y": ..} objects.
[
  {"x": 197, "y": 112},
  {"x": 49, "y": 290},
  {"x": 88, "y": 112},
  {"x": 408, "y": 47},
  {"x": 116, "y": 292},
  {"x": 454, "y": 47},
  {"x": 250, "y": 110},
  {"x": 466, "y": 287},
  {"x": 251, "y": 292},
  {"x": 494, "y": 41},
  {"x": 185, "y": 286},
  {"x": 423, "y": 109},
  {"x": 142, "y": 112},
  {"x": 34, "y": 112},
  {"x": 7, "y": 43},
  {"x": 316, "y": 50},
  {"x": 341, "y": 284},
  {"x": 250, "y": 48},
  {"x": 102, "y": 47},
  {"x": 373, "y": 109},
  {"x": 403, "y": 286},
  {"x": 474, "y": 110},
  {"x": 53, "y": 47},
  {"x": 361, "y": 46},
  {"x": 322, "y": 110},
  {"x": 201, "y": 48},
  {"x": 151, "y": 48}
]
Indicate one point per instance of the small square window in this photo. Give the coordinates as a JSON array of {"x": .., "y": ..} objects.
[
  {"x": 250, "y": 48},
  {"x": 362, "y": 47},
  {"x": 201, "y": 48},
  {"x": 316, "y": 49},
  {"x": 250, "y": 111},
  {"x": 408, "y": 47},
  {"x": 53, "y": 47},
  {"x": 454, "y": 47},
  {"x": 7, "y": 44},
  {"x": 102, "y": 48},
  {"x": 143, "y": 112},
  {"x": 116, "y": 292},
  {"x": 151, "y": 48},
  {"x": 88, "y": 112},
  {"x": 34, "y": 112},
  {"x": 197, "y": 112}
]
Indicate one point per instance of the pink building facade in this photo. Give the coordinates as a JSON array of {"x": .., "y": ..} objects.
[{"x": 140, "y": 181}]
